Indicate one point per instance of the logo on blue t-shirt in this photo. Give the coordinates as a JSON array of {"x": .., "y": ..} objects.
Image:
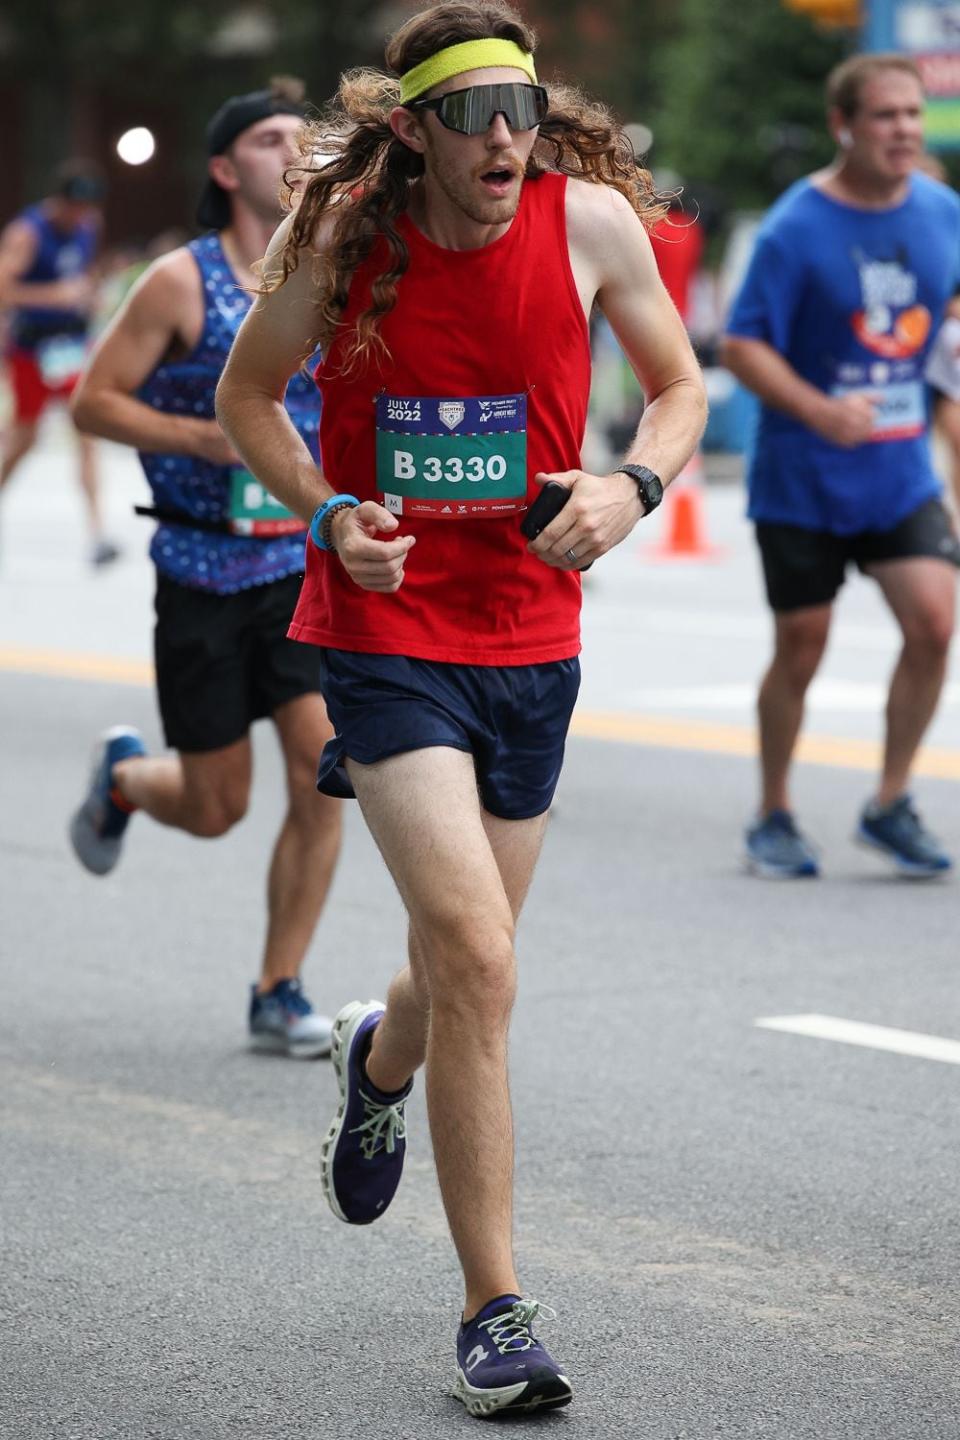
[{"x": 890, "y": 323}]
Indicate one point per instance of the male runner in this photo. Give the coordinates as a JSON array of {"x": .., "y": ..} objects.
[
  {"x": 851, "y": 274},
  {"x": 46, "y": 262},
  {"x": 448, "y": 267},
  {"x": 224, "y": 599}
]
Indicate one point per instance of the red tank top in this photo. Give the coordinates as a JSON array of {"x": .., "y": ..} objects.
[{"x": 469, "y": 326}]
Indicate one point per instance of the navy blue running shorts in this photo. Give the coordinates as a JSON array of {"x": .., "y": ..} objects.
[{"x": 512, "y": 719}]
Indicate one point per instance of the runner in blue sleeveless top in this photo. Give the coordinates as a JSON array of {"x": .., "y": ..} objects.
[
  {"x": 190, "y": 486},
  {"x": 228, "y": 559},
  {"x": 47, "y": 256},
  {"x": 852, "y": 271}
]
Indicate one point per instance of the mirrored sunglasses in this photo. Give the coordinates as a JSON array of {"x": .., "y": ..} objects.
[{"x": 472, "y": 111}]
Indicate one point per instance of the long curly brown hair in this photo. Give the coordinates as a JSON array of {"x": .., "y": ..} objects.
[{"x": 360, "y": 174}]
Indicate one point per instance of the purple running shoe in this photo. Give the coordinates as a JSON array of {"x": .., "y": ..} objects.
[
  {"x": 501, "y": 1367},
  {"x": 362, "y": 1156}
]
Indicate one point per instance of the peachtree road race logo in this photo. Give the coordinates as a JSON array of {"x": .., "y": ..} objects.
[{"x": 451, "y": 412}]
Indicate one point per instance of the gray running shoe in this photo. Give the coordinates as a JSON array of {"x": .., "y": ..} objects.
[
  {"x": 284, "y": 1021},
  {"x": 777, "y": 850},
  {"x": 97, "y": 828},
  {"x": 898, "y": 833},
  {"x": 104, "y": 552}
]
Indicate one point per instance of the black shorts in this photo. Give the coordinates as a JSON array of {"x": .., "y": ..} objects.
[
  {"x": 807, "y": 567},
  {"x": 224, "y": 661}
]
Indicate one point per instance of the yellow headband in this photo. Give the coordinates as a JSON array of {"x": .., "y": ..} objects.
[{"x": 457, "y": 59}]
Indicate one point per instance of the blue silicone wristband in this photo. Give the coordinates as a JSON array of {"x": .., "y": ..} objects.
[{"x": 321, "y": 513}]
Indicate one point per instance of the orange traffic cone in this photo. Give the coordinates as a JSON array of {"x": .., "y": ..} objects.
[{"x": 685, "y": 531}]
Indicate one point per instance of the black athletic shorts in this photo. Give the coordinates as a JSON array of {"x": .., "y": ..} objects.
[
  {"x": 224, "y": 661},
  {"x": 807, "y": 567}
]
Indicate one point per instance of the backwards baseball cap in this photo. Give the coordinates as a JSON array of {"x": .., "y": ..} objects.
[
  {"x": 283, "y": 97},
  {"x": 80, "y": 182}
]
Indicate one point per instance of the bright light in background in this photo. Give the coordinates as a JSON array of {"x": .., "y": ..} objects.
[
  {"x": 640, "y": 137},
  {"x": 136, "y": 146}
]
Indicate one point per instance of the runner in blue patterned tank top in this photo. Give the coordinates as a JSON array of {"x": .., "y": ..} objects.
[
  {"x": 47, "y": 258},
  {"x": 228, "y": 560}
]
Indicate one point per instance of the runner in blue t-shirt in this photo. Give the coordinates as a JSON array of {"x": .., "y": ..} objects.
[
  {"x": 229, "y": 560},
  {"x": 851, "y": 274}
]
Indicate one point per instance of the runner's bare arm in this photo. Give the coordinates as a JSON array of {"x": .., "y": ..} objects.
[
  {"x": 164, "y": 309},
  {"x": 18, "y": 247},
  {"x": 613, "y": 263},
  {"x": 277, "y": 336},
  {"x": 845, "y": 420},
  {"x": 645, "y": 321}
]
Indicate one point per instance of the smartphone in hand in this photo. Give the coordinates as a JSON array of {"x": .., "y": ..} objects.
[{"x": 545, "y": 508}]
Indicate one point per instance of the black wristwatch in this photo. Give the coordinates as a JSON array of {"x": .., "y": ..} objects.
[{"x": 649, "y": 486}]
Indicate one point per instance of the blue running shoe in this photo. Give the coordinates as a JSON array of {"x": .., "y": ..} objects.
[
  {"x": 96, "y": 830},
  {"x": 501, "y": 1367},
  {"x": 284, "y": 1021},
  {"x": 362, "y": 1156},
  {"x": 898, "y": 833},
  {"x": 777, "y": 850}
]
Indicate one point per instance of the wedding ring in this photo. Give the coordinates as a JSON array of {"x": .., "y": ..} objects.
[{"x": 570, "y": 555}]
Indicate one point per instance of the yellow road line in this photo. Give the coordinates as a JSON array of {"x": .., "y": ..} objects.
[
  {"x": 937, "y": 762},
  {"x": 68, "y": 665}
]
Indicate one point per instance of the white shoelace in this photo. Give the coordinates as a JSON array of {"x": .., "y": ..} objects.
[
  {"x": 510, "y": 1330},
  {"x": 381, "y": 1127}
]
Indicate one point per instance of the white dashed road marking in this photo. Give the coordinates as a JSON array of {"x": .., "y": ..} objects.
[{"x": 874, "y": 1037}]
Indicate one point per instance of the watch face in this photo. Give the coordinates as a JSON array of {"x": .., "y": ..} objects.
[{"x": 649, "y": 487}]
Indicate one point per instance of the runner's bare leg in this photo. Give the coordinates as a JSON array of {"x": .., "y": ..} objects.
[{"x": 424, "y": 812}]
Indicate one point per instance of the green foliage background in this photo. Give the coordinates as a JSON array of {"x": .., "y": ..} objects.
[{"x": 741, "y": 96}]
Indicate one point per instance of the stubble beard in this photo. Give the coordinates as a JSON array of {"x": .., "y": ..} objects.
[{"x": 461, "y": 190}]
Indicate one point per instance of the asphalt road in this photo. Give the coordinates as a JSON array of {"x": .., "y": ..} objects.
[{"x": 744, "y": 1232}]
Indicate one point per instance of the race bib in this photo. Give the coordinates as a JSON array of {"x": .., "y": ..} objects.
[
  {"x": 60, "y": 360},
  {"x": 254, "y": 511},
  {"x": 899, "y": 409},
  {"x": 452, "y": 459}
]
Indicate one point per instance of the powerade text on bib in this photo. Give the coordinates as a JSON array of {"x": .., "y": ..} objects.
[{"x": 452, "y": 459}]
